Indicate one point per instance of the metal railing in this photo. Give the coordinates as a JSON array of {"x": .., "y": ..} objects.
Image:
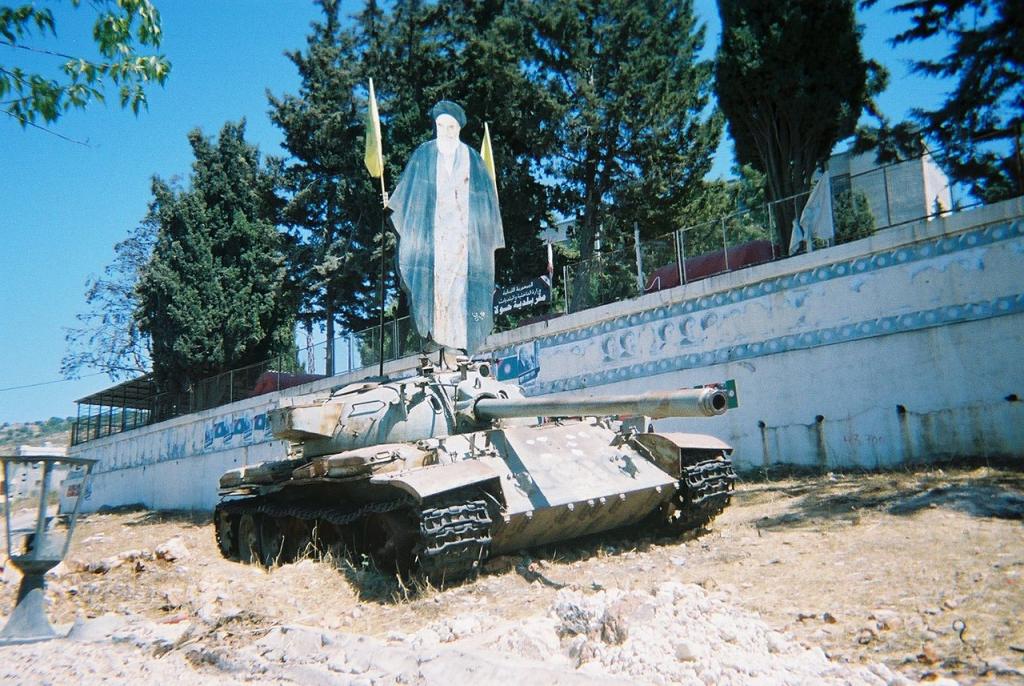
[
  {"x": 351, "y": 352},
  {"x": 862, "y": 203}
]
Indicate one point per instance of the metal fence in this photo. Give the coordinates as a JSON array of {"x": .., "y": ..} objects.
[
  {"x": 862, "y": 203},
  {"x": 685, "y": 255},
  {"x": 352, "y": 351}
]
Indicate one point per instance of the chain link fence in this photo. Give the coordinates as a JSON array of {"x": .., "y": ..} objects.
[
  {"x": 862, "y": 201},
  {"x": 350, "y": 352}
]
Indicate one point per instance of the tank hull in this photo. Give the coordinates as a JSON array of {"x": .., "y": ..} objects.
[
  {"x": 437, "y": 472},
  {"x": 519, "y": 487}
]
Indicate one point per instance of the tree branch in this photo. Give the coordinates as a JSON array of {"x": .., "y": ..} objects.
[
  {"x": 25, "y": 122},
  {"x": 40, "y": 51}
]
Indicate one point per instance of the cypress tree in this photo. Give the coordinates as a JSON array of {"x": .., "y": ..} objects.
[
  {"x": 792, "y": 81},
  {"x": 212, "y": 296}
]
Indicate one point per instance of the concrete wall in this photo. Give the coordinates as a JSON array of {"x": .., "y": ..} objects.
[
  {"x": 825, "y": 348},
  {"x": 901, "y": 347},
  {"x": 176, "y": 464}
]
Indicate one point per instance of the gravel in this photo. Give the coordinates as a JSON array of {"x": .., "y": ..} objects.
[{"x": 676, "y": 634}]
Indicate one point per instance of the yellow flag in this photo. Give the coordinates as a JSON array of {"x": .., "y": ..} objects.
[
  {"x": 488, "y": 154},
  {"x": 374, "y": 158}
]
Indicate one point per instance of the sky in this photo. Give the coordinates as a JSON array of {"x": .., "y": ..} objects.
[{"x": 63, "y": 205}]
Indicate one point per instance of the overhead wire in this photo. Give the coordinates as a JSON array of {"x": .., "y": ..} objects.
[{"x": 47, "y": 383}]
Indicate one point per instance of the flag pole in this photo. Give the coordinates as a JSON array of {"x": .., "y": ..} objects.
[
  {"x": 374, "y": 160},
  {"x": 383, "y": 276}
]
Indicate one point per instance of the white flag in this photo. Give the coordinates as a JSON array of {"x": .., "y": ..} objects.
[
  {"x": 816, "y": 219},
  {"x": 796, "y": 237}
]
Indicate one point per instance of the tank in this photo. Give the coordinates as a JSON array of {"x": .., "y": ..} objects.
[{"x": 434, "y": 473}]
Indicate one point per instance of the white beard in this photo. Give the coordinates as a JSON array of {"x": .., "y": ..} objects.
[{"x": 447, "y": 146}]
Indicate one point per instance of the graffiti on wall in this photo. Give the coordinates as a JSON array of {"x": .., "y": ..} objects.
[
  {"x": 237, "y": 430},
  {"x": 823, "y": 305},
  {"x": 522, "y": 366}
]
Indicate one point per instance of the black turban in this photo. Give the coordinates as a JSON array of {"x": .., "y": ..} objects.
[{"x": 450, "y": 108}]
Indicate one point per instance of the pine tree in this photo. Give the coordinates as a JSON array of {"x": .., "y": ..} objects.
[
  {"x": 792, "y": 81},
  {"x": 334, "y": 209},
  {"x": 634, "y": 142},
  {"x": 212, "y": 296},
  {"x": 980, "y": 124}
]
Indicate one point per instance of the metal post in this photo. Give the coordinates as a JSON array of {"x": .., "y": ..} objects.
[
  {"x": 383, "y": 271},
  {"x": 675, "y": 251},
  {"x": 565, "y": 285},
  {"x": 639, "y": 259},
  {"x": 725, "y": 245},
  {"x": 885, "y": 184},
  {"x": 682, "y": 255}
]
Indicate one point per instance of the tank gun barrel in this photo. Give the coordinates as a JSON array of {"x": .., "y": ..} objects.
[{"x": 697, "y": 402}]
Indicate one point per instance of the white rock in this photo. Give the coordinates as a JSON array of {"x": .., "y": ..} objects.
[
  {"x": 98, "y": 629},
  {"x": 535, "y": 639},
  {"x": 10, "y": 574},
  {"x": 172, "y": 550},
  {"x": 136, "y": 554},
  {"x": 776, "y": 642},
  {"x": 726, "y": 627},
  {"x": 687, "y": 651},
  {"x": 105, "y": 565},
  {"x": 292, "y": 644}
]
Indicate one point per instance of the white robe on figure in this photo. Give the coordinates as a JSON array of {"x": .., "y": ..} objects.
[
  {"x": 448, "y": 226},
  {"x": 451, "y": 247}
]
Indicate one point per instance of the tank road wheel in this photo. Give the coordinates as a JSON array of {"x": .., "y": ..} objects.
[
  {"x": 389, "y": 539},
  {"x": 299, "y": 539},
  {"x": 226, "y": 529},
  {"x": 272, "y": 541},
  {"x": 705, "y": 488},
  {"x": 249, "y": 539}
]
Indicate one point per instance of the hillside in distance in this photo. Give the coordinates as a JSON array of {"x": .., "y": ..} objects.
[{"x": 54, "y": 431}]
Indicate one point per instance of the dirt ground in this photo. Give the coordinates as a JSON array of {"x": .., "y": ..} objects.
[{"x": 922, "y": 570}]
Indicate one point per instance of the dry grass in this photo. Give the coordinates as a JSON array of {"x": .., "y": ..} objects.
[{"x": 872, "y": 567}]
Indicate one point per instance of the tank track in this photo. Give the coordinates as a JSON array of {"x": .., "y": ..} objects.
[
  {"x": 335, "y": 515},
  {"x": 705, "y": 488},
  {"x": 454, "y": 535},
  {"x": 456, "y": 538}
]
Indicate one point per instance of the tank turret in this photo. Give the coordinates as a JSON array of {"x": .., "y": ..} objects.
[
  {"x": 434, "y": 405},
  {"x": 441, "y": 469}
]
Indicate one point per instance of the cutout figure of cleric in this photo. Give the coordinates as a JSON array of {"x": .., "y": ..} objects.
[{"x": 445, "y": 211}]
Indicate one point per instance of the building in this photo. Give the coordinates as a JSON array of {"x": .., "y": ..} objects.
[{"x": 896, "y": 193}]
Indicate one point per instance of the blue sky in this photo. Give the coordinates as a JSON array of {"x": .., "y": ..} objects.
[{"x": 63, "y": 206}]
